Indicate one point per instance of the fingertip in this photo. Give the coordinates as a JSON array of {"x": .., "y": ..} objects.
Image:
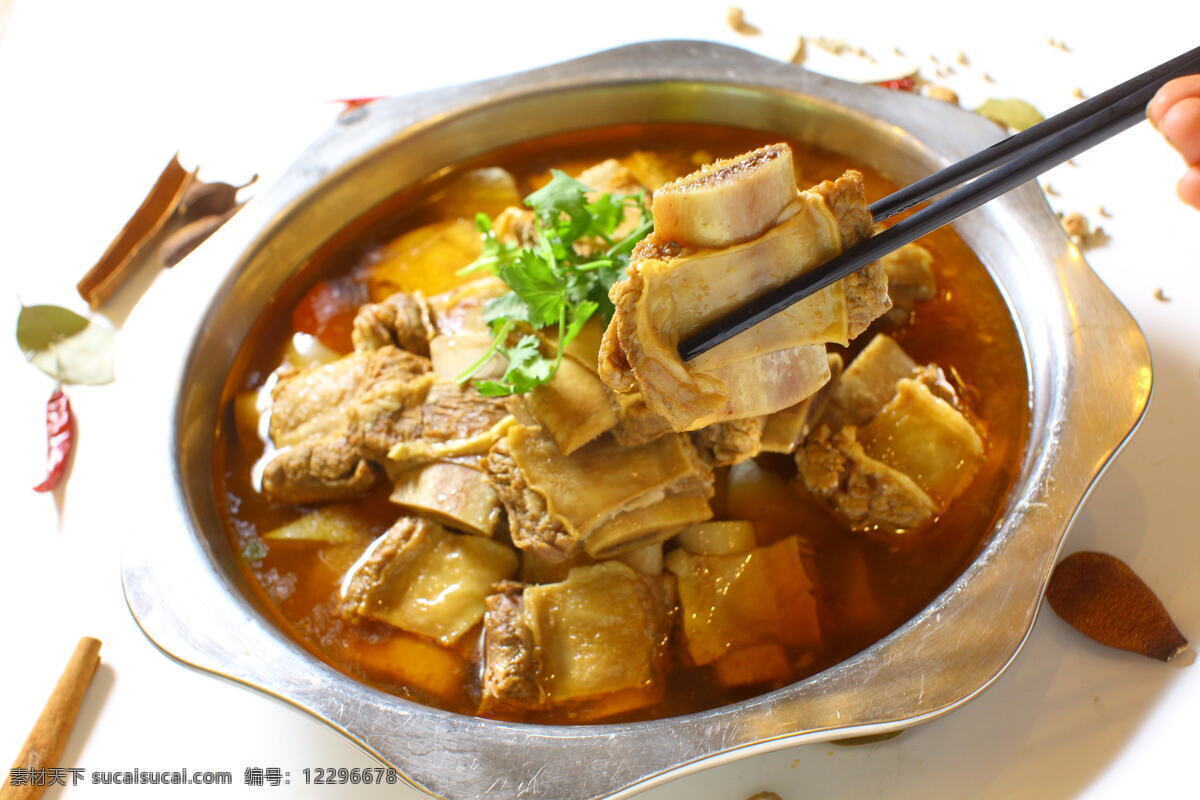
[
  {"x": 1157, "y": 106},
  {"x": 1168, "y": 94},
  {"x": 1181, "y": 127},
  {"x": 1189, "y": 187}
]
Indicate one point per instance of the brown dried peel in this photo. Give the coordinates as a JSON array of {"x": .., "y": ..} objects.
[{"x": 1105, "y": 600}]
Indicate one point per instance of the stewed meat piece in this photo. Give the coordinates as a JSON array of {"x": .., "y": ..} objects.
[
  {"x": 592, "y": 645},
  {"x": 603, "y": 497},
  {"x": 894, "y": 447},
  {"x": 319, "y": 416},
  {"x": 674, "y": 288}
]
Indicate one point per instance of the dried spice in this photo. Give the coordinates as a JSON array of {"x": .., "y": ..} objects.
[
  {"x": 1010, "y": 112},
  {"x": 125, "y": 251},
  {"x": 187, "y": 238},
  {"x": 66, "y": 346},
  {"x": 1105, "y": 600},
  {"x": 60, "y": 439},
  {"x": 943, "y": 93},
  {"x": 800, "y": 53},
  {"x": 204, "y": 199},
  {"x": 351, "y": 103},
  {"x": 1082, "y": 233},
  {"x": 38, "y": 327},
  {"x": 735, "y": 18},
  {"x": 907, "y": 83}
]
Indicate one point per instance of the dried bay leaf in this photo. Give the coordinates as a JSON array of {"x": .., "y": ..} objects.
[
  {"x": 38, "y": 327},
  {"x": 1010, "y": 112},
  {"x": 1102, "y": 598},
  {"x": 66, "y": 346}
]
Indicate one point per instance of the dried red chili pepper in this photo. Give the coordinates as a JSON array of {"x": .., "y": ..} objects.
[
  {"x": 351, "y": 103},
  {"x": 60, "y": 438},
  {"x": 905, "y": 84}
]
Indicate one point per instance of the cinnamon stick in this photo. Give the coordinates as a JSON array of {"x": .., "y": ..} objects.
[
  {"x": 125, "y": 251},
  {"x": 46, "y": 741}
]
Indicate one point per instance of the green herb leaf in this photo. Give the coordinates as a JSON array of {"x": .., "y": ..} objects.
[
  {"x": 1010, "y": 112},
  {"x": 562, "y": 279},
  {"x": 527, "y": 369},
  {"x": 506, "y": 306},
  {"x": 66, "y": 346},
  {"x": 563, "y": 195},
  {"x": 494, "y": 252},
  {"x": 38, "y": 327},
  {"x": 583, "y": 312},
  {"x": 532, "y": 280}
]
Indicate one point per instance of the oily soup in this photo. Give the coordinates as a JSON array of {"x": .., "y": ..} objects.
[{"x": 865, "y": 583}]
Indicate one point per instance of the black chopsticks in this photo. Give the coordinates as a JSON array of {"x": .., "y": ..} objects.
[{"x": 996, "y": 170}]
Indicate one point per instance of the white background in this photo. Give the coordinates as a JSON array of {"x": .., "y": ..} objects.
[{"x": 95, "y": 96}]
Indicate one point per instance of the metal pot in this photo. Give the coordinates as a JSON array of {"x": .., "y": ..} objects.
[{"x": 1088, "y": 370}]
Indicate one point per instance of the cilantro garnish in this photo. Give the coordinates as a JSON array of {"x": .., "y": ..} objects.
[{"x": 561, "y": 281}]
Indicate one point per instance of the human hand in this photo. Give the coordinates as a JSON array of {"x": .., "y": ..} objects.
[{"x": 1175, "y": 111}]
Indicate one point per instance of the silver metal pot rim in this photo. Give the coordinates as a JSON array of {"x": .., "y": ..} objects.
[{"x": 1089, "y": 374}]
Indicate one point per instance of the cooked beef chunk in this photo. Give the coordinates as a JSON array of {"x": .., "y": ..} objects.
[
  {"x": 637, "y": 424},
  {"x": 382, "y": 406},
  {"x": 910, "y": 280},
  {"x": 867, "y": 492},
  {"x": 786, "y": 429},
  {"x": 927, "y": 439},
  {"x": 593, "y": 645},
  {"x": 726, "y": 443},
  {"x": 319, "y": 417},
  {"x": 739, "y": 600},
  {"x": 312, "y": 473},
  {"x": 868, "y": 383},
  {"x": 401, "y": 320},
  {"x": 894, "y": 448},
  {"x": 510, "y": 664},
  {"x": 422, "y": 579},
  {"x": 530, "y": 523},
  {"x": 673, "y": 289},
  {"x": 456, "y": 493},
  {"x": 603, "y": 497},
  {"x": 454, "y": 420},
  {"x": 867, "y": 289},
  {"x": 574, "y": 407}
]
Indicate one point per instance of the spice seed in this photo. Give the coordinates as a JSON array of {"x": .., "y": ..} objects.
[
  {"x": 1102, "y": 598},
  {"x": 801, "y": 51},
  {"x": 735, "y": 18}
]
